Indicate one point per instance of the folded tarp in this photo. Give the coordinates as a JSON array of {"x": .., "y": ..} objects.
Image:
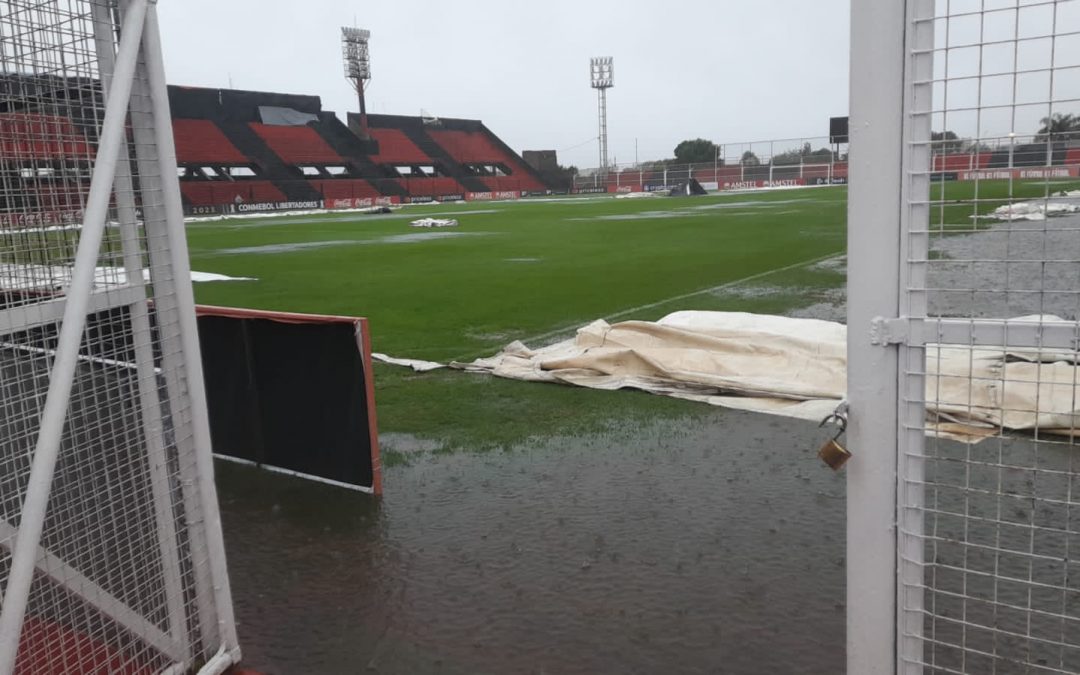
[{"x": 797, "y": 368}]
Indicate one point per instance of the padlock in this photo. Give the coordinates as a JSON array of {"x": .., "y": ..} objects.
[{"x": 832, "y": 453}]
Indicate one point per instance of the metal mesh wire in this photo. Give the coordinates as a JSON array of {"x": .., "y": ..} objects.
[
  {"x": 121, "y": 581},
  {"x": 989, "y": 530}
]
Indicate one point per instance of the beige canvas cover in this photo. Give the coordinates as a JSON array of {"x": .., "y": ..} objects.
[{"x": 796, "y": 367}]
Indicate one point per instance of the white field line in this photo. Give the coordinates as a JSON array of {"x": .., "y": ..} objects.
[{"x": 533, "y": 339}]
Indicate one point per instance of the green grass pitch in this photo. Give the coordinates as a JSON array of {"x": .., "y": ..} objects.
[{"x": 533, "y": 271}]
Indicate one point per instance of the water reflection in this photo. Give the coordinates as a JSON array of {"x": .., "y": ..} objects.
[{"x": 669, "y": 547}]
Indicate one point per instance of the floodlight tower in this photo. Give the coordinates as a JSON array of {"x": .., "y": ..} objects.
[
  {"x": 602, "y": 73},
  {"x": 354, "y": 51}
]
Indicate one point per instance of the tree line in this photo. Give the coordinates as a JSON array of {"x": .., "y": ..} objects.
[{"x": 1059, "y": 127}]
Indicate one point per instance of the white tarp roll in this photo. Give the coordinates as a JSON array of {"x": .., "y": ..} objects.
[{"x": 797, "y": 368}]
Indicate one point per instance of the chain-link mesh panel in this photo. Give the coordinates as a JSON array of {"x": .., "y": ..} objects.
[
  {"x": 122, "y": 573},
  {"x": 993, "y": 287}
]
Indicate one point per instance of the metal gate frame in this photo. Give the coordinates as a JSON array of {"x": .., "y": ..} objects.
[
  {"x": 128, "y": 46},
  {"x": 891, "y": 83}
]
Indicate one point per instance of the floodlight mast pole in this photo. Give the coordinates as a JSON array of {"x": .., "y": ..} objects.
[
  {"x": 357, "y": 58},
  {"x": 601, "y": 93},
  {"x": 602, "y": 78}
]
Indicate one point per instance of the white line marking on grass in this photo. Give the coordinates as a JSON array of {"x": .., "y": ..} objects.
[{"x": 712, "y": 289}]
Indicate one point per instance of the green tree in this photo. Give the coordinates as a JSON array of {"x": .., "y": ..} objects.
[
  {"x": 804, "y": 155},
  {"x": 749, "y": 159},
  {"x": 1059, "y": 127},
  {"x": 695, "y": 151},
  {"x": 946, "y": 142}
]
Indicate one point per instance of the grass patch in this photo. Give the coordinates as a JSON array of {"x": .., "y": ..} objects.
[
  {"x": 534, "y": 271},
  {"x": 519, "y": 270},
  {"x": 959, "y": 206}
]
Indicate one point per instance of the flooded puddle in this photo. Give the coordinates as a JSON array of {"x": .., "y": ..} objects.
[
  {"x": 410, "y": 238},
  {"x": 670, "y": 547},
  {"x": 757, "y": 203},
  {"x": 264, "y": 220},
  {"x": 407, "y": 443},
  {"x": 642, "y": 215}
]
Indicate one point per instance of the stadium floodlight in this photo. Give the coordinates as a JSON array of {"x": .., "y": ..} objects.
[
  {"x": 354, "y": 51},
  {"x": 602, "y": 71},
  {"x": 357, "y": 58},
  {"x": 602, "y": 78}
]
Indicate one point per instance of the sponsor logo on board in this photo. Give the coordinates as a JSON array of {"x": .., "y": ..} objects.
[{"x": 245, "y": 207}]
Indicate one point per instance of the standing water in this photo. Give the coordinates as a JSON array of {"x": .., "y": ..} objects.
[{"x": 705, "y": 547}]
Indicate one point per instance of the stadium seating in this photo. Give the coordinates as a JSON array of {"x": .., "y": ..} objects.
[
  {"x": 955, "y": 162},
  {"x": 61, "y": 196},
  {"x": 201, "y": 141},
  {"x": 218, "y": 129},
  {"x": 21, "y": 137},
  {"x": 296, "y": 145},
  {"x": 478, "y": 147},
  {"x": 433, "y": 187},
  {"x": 396, "y": 148},
  {"x": 468, "y": 147},
  {"x": 343, "y": 188},
  {"x": 510, "y": 183},
  {"x": 209, "y": 193}
]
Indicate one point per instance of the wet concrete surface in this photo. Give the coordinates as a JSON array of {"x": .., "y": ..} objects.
[
  {"x": 1009, "y": 269},
  {"x": 713, "y": 547},
  {"x": 1000, "y": 542}
]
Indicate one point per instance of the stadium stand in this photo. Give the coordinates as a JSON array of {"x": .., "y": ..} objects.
[
  {"x": 957, "y": 162},
  {"x": 210, "y": 193},
  {"x": 472, "y": 147},
  {"x": 467, "y": 146},
  {"x": 278, "y": 150},
  {"x": 345, "y": 189},
  {"x": 433, "y": 187},
  {"x": 296, "y": 144},
  {"x": 199, "y": 141},
  {"x": 396, "y": 148},
  {"x": 293, "y": 151},
  {"x": 17, "y": 130}
]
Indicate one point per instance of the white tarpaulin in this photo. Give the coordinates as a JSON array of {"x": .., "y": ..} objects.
[
  {"x": 28, "y": 277},
  {"x": 419, "y": 365},
  {"x": 796, "y": 367},
  {"x": 434, "y": 222},
  {"x": 1031, "y": 211}
]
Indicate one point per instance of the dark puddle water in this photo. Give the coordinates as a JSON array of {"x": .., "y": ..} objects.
[{"x": 711, "y": 546}]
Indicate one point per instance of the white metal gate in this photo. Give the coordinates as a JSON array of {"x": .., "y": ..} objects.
[
  {"x": 964, "y": 557},
  {"x": 111, "y": 555}
]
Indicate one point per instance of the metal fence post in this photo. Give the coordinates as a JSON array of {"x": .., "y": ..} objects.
[{"x": 874, "y": 211}]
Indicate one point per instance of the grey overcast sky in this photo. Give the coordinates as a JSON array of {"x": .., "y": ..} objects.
[{"x": 723, "y": 70}]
